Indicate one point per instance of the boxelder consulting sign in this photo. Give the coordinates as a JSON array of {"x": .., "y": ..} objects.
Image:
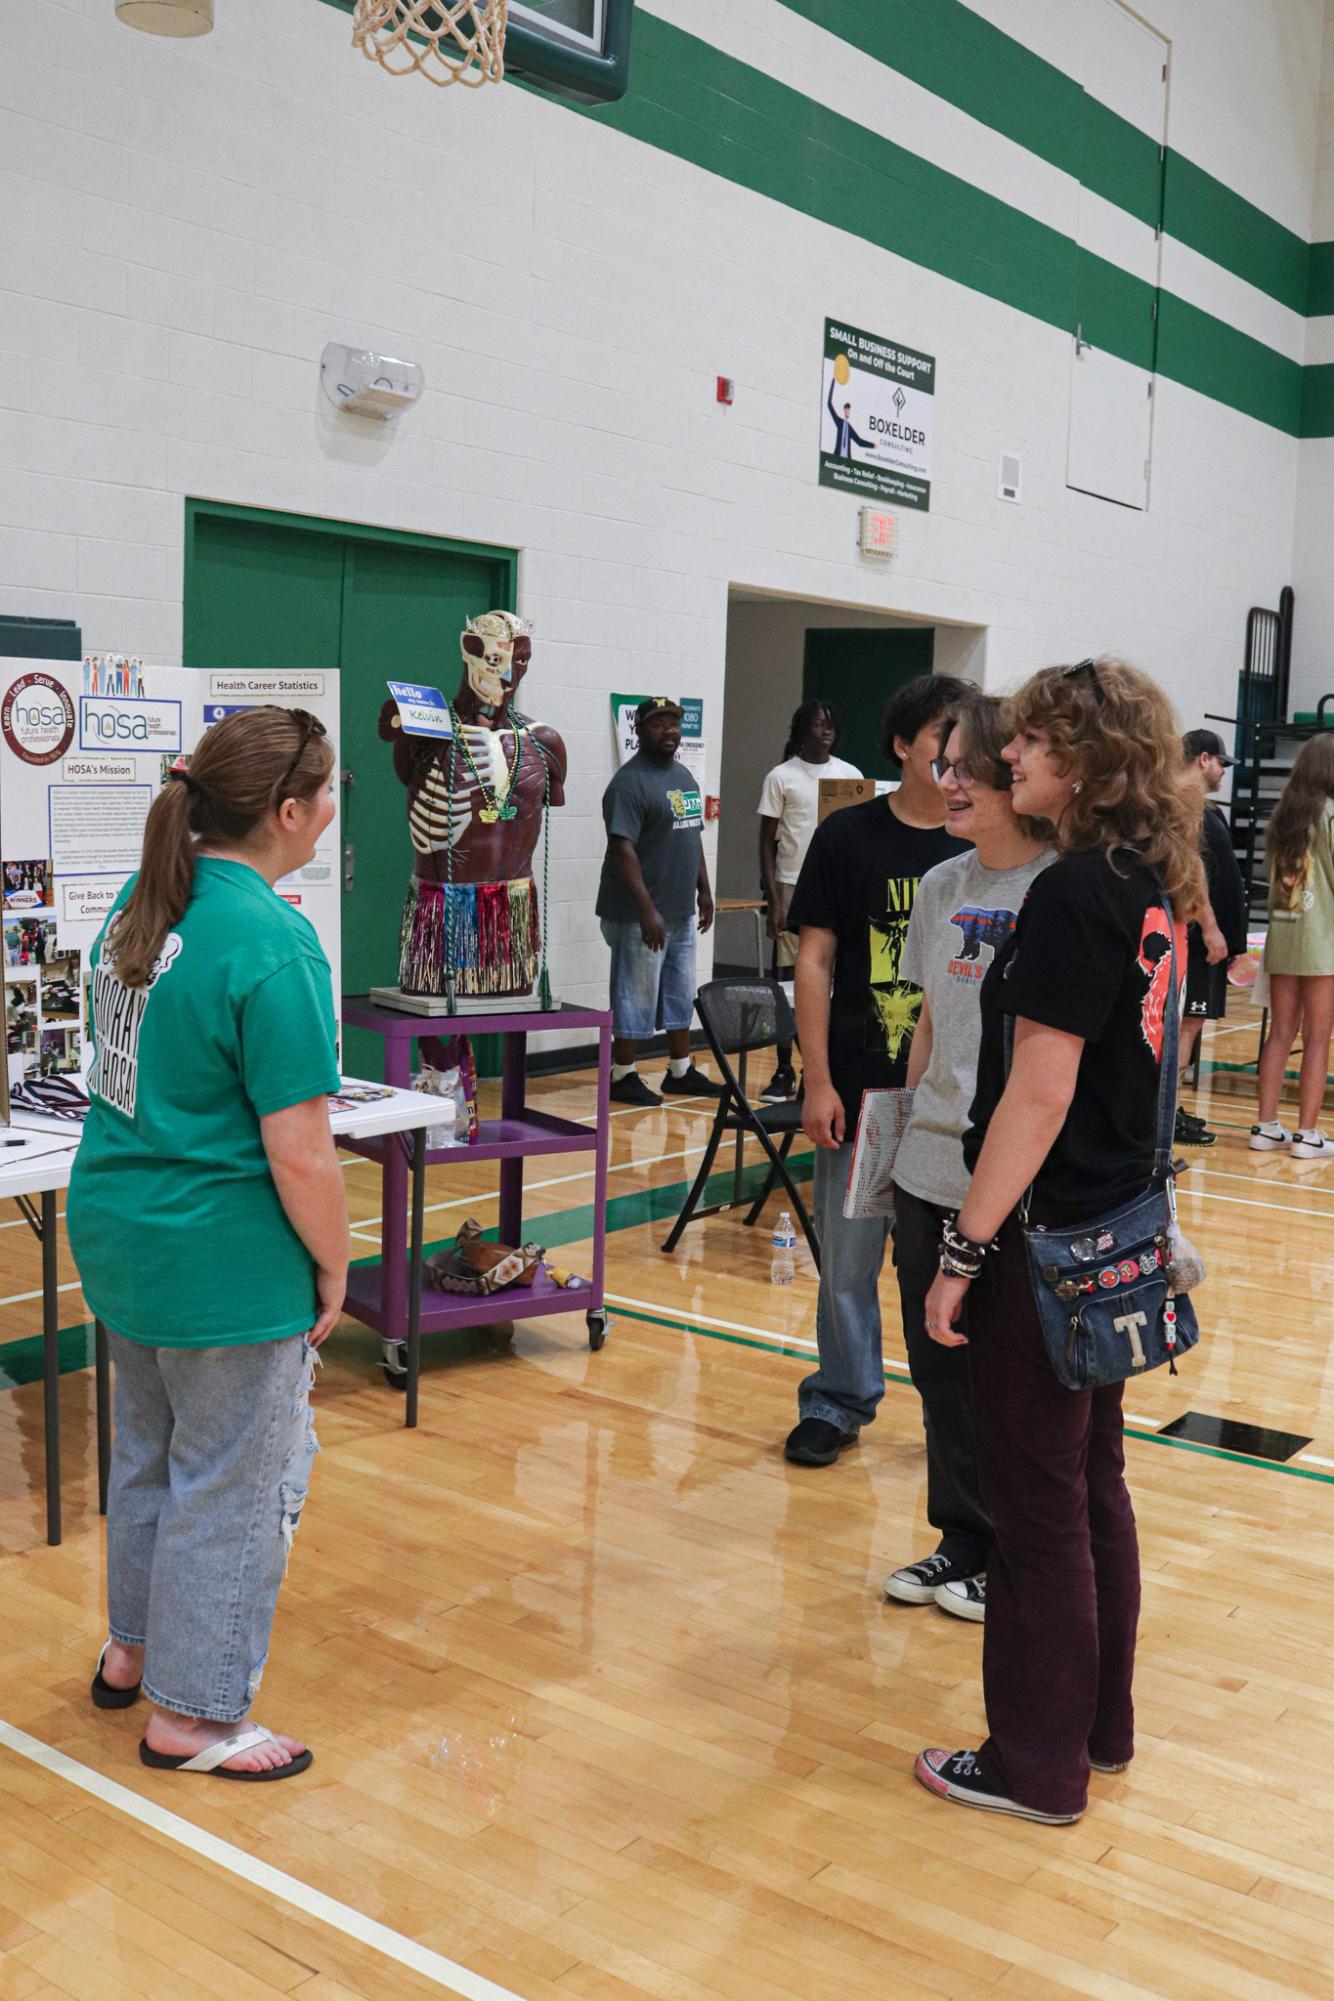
[{"x": 877, "y": 404}]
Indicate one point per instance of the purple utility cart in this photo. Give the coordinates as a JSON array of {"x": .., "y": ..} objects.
[{"x": 380, "y": 1295}]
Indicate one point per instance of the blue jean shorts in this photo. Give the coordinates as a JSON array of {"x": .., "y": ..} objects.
[{"x": 651, "y": 990}]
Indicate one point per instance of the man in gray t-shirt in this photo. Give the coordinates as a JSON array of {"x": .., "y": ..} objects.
[{"x": 654, "y": 877}]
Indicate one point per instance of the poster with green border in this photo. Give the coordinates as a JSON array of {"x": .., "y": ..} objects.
[{"x": 877, "y": 416}]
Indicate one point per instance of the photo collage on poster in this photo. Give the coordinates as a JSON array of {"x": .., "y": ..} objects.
[
  {"x": 85, "y": 748},
  {"x": 44, "y": 982}
]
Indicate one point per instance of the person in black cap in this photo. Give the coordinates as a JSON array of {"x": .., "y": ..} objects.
[
  {"x": 1220, "y": 936},
  {"x": 654, "y": 880}
]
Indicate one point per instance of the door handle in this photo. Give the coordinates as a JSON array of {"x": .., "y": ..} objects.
[{"x": 1080, "y": 343}]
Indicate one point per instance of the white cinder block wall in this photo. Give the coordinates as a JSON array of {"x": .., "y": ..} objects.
[{"x": 184, "y": 225}]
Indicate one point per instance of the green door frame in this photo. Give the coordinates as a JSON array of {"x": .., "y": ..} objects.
[
  {"x": 506, "y": 560},
  {"x": 486, "y": 1049}
]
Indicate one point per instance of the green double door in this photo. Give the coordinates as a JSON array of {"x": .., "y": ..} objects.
[
  {"x": 857, "y": 669},
  {"x": 281, "y": 591}
]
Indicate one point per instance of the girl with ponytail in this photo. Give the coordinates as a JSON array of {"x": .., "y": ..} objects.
[{"x": 208, "y": 1221}]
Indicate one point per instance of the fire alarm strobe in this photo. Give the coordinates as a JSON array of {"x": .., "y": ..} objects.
[{"x": 876, "y": 532}]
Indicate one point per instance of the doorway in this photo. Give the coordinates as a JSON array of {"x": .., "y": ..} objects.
[
  {"x": 266, "y": 590},
  {"x": 857, "y": 670}
]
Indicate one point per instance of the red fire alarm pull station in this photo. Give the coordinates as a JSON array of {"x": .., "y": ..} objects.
[
  {"x": 725, "y": 387},
  {"x": 713, "y": 806}
]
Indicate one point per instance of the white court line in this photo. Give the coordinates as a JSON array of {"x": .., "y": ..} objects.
[
  {"x": 766, "y": 1334},
  {"x": 1242, "y": 1202},
  {"x": 1314, "y": 1459},
  {"x": 1254, "y": 1180},
  {"x": 259, "y": 1875}
]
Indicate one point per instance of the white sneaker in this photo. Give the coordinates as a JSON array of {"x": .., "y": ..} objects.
[
  {"x": 1312, "y": 1146},
  {"x": 966, "y": 1598},
  {"x": 1269, "y": 1138}
]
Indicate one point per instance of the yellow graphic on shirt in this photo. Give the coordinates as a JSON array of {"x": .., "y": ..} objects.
[{"x": 895, "y": 1002}]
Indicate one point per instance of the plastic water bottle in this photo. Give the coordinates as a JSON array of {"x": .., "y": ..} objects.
[
  {"x": 445, "y": 1131},
  {"x": 783, "y": 1268}
]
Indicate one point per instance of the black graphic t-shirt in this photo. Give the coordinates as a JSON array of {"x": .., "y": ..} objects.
[
  {"x": 1089, "y": 955},
  {"x": 859, "y": 880}
]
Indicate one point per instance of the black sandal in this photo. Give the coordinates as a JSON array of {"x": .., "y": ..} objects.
[
  {"x": 105, "y": 1696},
  {"x": 212, "y": 1760}
]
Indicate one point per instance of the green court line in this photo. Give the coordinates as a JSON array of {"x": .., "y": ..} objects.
[
  {"x": 21, "y": 1359},
  {"x": 891, "y": 1376}
]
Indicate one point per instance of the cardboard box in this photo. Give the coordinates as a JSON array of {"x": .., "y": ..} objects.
[{"x": 836, "y": 793}]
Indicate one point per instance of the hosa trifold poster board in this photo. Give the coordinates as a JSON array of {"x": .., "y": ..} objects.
[{"x": 84, "y": 750}]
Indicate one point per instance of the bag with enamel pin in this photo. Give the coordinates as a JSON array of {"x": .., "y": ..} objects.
[{"x": 1113, "y": 1296}]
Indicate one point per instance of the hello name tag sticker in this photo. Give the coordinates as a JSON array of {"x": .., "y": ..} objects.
[{"x": 421, "y": 711}]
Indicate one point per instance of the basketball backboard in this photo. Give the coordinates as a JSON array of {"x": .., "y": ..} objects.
[{"x": 578, "y": 49}]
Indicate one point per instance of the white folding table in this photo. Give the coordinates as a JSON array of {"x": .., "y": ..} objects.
[{"x": 41, "y": 1165}]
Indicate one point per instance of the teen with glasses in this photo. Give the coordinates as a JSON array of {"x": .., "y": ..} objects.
[
  {"x": 208, "y": 1221},
  {"x": 965, "y": 911}
]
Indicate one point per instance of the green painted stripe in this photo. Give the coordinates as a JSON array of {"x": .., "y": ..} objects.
[
  {"x": 1141, "y": 1432},
  {"x": 690, "y": 100},
  {"x": 951, "y": 51},
  {"x": 763, "y": 135},
  {"x": 1320, "y": 295}
]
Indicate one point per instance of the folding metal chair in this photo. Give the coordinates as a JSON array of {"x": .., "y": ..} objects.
[{"x": 737, "y": 1016}]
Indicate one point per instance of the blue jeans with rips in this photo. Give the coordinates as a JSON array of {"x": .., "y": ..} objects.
[
  {"x": 209, "y": 1471},
  {"x": 850, "y": 1380}
]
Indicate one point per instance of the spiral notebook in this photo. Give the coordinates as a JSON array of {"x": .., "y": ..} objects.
[{"x": 881, "y": 1125}]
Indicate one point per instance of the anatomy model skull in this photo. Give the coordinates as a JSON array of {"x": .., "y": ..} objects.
[{"x": 496, "y": 649}]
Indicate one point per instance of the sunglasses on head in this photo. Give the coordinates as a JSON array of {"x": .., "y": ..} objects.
[
  {"x": 1077, "y": 672},
  {"x": 310, "y": 726}
]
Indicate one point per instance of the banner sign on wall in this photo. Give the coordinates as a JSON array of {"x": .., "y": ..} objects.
[
  {"x": 877, "y": 412},
  {"x": 692, "y": 753},
  {"x": 85, "y": 747}
]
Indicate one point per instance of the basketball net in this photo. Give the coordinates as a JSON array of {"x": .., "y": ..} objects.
[{"x": 447, "y": 41}]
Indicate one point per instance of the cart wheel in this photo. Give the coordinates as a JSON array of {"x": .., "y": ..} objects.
[
  {"x": 394, "y": 1362},
  {"x": 597, "y": 1328}
]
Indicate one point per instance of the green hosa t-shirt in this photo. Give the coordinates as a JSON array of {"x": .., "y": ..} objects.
[{"x": 174, "y": 1219}]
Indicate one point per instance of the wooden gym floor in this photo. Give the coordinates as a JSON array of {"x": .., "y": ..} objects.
[{"x": 605, "y": 1698}]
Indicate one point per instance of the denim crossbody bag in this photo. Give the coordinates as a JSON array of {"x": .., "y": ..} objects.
[{"x": 1111, "y": 1294}]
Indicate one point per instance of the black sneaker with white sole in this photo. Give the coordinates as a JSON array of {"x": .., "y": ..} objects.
[
  {"x": 964, "y": 1598},
  {"x": 1190, "y": 1130},
  {"x": 782, "y": 1085},
  {"x": 957, "y": 1776},
  {"x": 918, "y": 1583}
]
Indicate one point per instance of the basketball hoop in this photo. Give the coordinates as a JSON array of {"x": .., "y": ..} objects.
[{"x": 447, "y": 41}]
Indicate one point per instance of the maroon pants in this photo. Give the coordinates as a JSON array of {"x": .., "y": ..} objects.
[{"x": 1063, "y": 1577}]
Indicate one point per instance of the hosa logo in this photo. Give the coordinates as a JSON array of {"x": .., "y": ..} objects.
[
  {"x": 37, "y": 719},
  {"x": 109, "y": 722}
]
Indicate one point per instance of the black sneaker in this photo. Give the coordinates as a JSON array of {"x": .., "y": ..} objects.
[
  {"x": 816, "y": 1442},
  {"x": 783, "y": 1084},
  {"x": 1102, "y": 1765},
  {"x": 1191, "y": 1131},
  {"x": 632, "y": 1090},
  {"x": 964, "y": 1597},
  {"x": 957, "y": 1776},
  {"x": 693, "y": 1085},
  {"x": 917, "y": 1583}
]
